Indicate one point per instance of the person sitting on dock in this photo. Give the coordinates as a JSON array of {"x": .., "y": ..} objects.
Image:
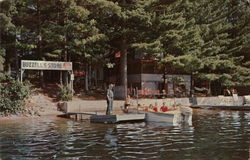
[
  {"x": 164, "y": 108},
  {"x": 110, "y": 98},
  {"x": 127, "y": 104}
]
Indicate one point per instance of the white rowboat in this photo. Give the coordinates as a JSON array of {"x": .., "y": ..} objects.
[{"x": 182, "y": 115}]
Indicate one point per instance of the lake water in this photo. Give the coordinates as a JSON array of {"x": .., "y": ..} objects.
[{"x": 215, "y": 135}]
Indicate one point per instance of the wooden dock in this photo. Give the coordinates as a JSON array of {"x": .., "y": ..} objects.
[
  {"x": 77, "y": 115},
  {"x": 117, "y": 118}
]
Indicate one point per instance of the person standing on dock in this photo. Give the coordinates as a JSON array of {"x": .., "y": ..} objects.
[{"x": 110, "y": 98}]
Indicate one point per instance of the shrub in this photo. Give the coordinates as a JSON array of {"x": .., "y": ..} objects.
[
  {"x": 64, "y": 94},
  {"x": 12, "y": 95}
]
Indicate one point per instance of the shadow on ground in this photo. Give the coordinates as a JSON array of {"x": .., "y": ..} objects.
[{"x": 51, "y": 90}]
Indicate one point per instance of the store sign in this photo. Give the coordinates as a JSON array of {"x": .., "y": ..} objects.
[{"x": 46, "y": 65}]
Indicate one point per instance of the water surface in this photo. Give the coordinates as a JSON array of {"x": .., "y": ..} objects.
[{"x": 215, "y": 135}]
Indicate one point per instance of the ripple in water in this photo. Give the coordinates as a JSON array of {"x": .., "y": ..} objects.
[{"x": 214, "y": 135}]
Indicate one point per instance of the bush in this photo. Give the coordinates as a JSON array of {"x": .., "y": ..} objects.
[
  {"x": 65, "y": 94},
  {"x": 12, "y": 95}
]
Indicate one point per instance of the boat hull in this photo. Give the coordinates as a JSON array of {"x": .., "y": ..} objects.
[{"x": 173, "y": 118}]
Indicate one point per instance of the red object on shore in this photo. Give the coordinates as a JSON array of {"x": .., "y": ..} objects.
[{"x": 79, "y": 74}]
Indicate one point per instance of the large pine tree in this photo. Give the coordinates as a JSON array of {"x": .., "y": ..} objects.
[
  {"x": 125, "y": 28},
  {"x": 239, "y": 17},
  {"x": 208, "y": 39},
  {"x": 180, "y": 37},
  {"x": 176, "y": 38},
  {"x": 220, "y": 43},
  {"x": 7, "y": 33}
]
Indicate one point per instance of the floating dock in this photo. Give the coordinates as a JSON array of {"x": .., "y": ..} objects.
[
  {"x": 96, "y": 118},
  {"x": 77, "y": 115},
  {"x": 117, "y": 118}
]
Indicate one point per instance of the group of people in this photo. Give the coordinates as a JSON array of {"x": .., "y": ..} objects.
[
  {"x": 155, "y": 108},
  {"x": 110, "y": 99},
  {"x": 230, "y": 92},
  {"x": 151, "y": 108}
]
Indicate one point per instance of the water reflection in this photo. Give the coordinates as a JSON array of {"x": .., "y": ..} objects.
[
  {"x": 214, "y": 135},
  {"x": 111, "y": 138}
]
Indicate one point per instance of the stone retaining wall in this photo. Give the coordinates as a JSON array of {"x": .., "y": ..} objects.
[
  {"x": 220, "y": 100},
  {"x": 78, "y": 105}
]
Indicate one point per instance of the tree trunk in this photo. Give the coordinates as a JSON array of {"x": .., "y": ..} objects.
[
  {"x": 61, "y": 82},
  {"x": 95, "y": 76},
  {"x": 209, "y": 88},
  {"x": 16, "y": 58},
  {"x": 123, "y": 69},
  {"x": 65, "y": 73},
  {"x": 66, "y": 78},
  {"x": 86, "y": 78},
  {"x": 123, "y": 62},
  {"x": 65, "y": 51},
  {"x": 90, "y": 74},
  {"x": 164, "y": 79},
  {"x": 192, "y": 86},
  {"x": 8, "y": 68},
  {"x": 39, "y": 37}
]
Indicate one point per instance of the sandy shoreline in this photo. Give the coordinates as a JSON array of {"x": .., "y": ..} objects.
[
  {"x": 40, "y": 105},
  {"x": 36, "y": 106}
]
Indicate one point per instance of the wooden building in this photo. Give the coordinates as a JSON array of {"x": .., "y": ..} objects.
[{"x": 146, "y": 75}]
